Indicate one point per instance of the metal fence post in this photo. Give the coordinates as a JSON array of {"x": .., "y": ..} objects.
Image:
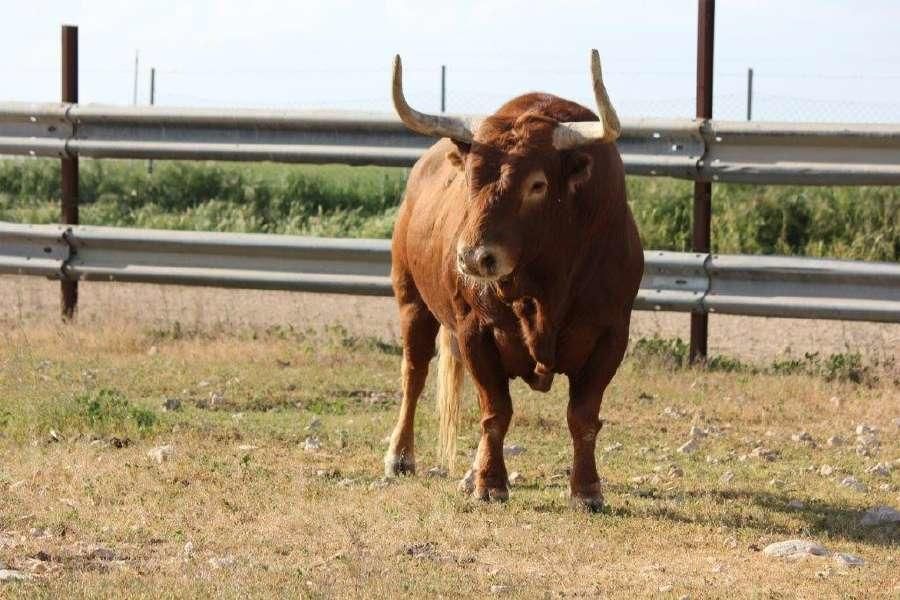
[
  {"x": 69, "y": 165},
  {"x": 443, "y": 88},
  {"x": 749, "y": 94},
  {"x": 700, "y": 239}
]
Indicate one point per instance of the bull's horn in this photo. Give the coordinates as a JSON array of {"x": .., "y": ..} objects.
[
  {"x": 572, "y": 135},
  {"x": 455, "y": 128}
]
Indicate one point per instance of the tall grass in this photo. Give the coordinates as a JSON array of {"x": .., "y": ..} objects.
[{"x": 858, "y": 223}]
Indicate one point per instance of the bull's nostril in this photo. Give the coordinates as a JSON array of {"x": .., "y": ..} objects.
[{"x": 487, "y": 262}]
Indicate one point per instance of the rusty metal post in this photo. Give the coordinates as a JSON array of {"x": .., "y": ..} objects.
[
  {"x": 69, "y": 166},
  {"x": 700, "y": 239}
]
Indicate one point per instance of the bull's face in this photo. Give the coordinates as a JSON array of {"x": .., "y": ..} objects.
[
  {"x": 517, "y": 183},
  {"x": 518, "y": 168}
]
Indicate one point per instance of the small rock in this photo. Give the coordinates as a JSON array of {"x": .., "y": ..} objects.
[
  {"x": 882, "y": 469},
  {"x": 161, "y": 453},
  {"x": 345, "y": 482},
  {"x": 837, "y": 402},
  {"x": 717, "y": 568},
  {"x": 853, "y": 483},
  {"x": 639, "y": 479},
  {"x": 835, "y": 441},
  {"x": 53, "y": 436},
  {"x": 203, "y": 383},
  {"x": 37, "y": 532},
  {"x": 101, "y": 553},
  {"x": 796, "y": 504},
  {"x": 880, "y": 515},
  {"x": 864, "y": 429},
  {"x": 794, "y": 549},
  {"x": 675, "y": 471},
  {"x": 12, "y": 575},
  {"x": 314, "y": 424},
  {"x": 726, "y": 477},
  {"x": 803, "y": 436},
  {"x": 436, "y": 472},
  {"x": 153, "y": 351},
  {"x": 613, "y": 447},
  {"x": 826, "y": 470},
  {"x": 172, "y": 404},
  {"x": 311, "y": 444},
  {"x": 689, "y": 446},
  {"x": 247, "y": 447},
  {"x": 696, "y": 431},
  {"x": 215, "y": 400},
  {"x": 513, "y": 450},
  {"x": 515, "y": 478},
  {"x": 221, "y": 562},
  {"x": 776, "y": 483},
  {"x": 499, "y": 589},
  {"x": 762, "y": 453},
  {"x": 886, "y": 487},
  {"x": 665, "y": 588},
  {"x": 188, "y": 549},
  {"x": 674, "y": 413},
  {"x": 847, "y": 560}
]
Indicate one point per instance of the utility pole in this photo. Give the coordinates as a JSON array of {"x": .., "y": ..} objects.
[
  {"x": 700, "y": 236},
  {"x": 152, "y": 102},
  {"x": 443, "y": 88},
  {"x": 134, "y": 94},
  {"x": 69, "y": 164},
  {"x": 749, "y": 94}
]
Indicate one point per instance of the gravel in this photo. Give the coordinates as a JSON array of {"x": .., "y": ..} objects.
[{"x": 853, "y": 483}]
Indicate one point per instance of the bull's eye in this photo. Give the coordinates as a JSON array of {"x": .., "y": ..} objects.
[{"x": 534, "y": 190}]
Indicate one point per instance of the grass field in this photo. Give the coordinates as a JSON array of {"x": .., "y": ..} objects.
[
  {"x": 273, "y": 487},
  {"x": 855, "y": 223}
]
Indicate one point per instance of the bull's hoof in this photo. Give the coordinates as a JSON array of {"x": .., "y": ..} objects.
[
  {"x": 590, "y": 499},
  {"x": 399, "y": 465},
  {"x": 467, "y": 483},
  {"x": 491, "y": 494}
]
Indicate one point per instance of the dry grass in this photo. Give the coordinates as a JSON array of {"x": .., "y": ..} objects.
[{"x": 291, "y": 522}]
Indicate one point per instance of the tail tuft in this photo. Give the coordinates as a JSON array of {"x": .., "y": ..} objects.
[{"x": 449, "y": 388}]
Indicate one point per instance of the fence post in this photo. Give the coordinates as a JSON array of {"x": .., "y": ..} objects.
[
  {"x": 69, "y": 165},
  {"x": 749, "y": 94},
  {"x": 700, "y": 238},
  {"x": 152, "y": 102},
  {"x": 443, "y": 88}
]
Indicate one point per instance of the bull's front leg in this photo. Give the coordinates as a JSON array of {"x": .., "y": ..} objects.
[
  {"x": 583, "y": 415},
  {"x": 480, "y": 354}
]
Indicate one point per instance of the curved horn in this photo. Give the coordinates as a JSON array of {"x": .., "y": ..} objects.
[
  {"x": 573, "y": 135},
  {"x": 454, "y": 128}
]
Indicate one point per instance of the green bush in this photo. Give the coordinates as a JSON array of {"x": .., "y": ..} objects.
[{"x": 340, "y": 201}]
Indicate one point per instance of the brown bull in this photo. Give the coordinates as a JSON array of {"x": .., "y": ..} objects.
[{"x": 514, "y": 240}]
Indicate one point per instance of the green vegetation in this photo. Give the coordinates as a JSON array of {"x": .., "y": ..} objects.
[{"x": 854, "y": 223}]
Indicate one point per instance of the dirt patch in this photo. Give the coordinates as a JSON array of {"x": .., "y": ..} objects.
[{"x": 30, "y": 301}]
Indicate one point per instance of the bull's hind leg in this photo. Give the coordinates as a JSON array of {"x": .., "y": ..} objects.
[
  {"x": 585, "y": 396},
  {"x": 418, "y": 328}
]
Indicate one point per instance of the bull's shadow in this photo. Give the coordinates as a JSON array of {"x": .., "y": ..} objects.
[{"x": 838, "y": 522}]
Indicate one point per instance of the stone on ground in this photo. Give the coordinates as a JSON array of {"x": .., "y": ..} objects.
[{"x": 795, "y": 549}]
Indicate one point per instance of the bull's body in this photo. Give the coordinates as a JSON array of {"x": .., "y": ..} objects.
[{"x": 564, "y": 308}]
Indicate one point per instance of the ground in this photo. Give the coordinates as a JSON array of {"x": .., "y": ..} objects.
[{"x": 271, "y": 484}]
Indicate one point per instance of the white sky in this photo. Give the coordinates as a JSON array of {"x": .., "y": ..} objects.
[{"x": 813, "y": 59}]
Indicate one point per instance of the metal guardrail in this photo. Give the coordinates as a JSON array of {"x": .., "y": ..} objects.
[
  {"x": 746, "y": 285},
  {"x": 834, "y": 154}
]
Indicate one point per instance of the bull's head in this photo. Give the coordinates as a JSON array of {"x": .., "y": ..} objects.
[{"x": 517, "y": 165}]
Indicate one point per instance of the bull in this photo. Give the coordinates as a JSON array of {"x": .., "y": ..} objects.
[{"x": 516, "y": 252}]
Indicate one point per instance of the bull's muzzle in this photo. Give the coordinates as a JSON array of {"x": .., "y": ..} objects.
[{"x": 482, "y": 262}]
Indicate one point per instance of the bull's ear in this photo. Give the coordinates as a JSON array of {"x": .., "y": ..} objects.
[
  {"x": 577, "y": 167},
  {"x": 457, "y": 156}
]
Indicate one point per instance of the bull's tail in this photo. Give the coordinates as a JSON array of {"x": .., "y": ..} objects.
[{"x": 449, "y": 390}]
